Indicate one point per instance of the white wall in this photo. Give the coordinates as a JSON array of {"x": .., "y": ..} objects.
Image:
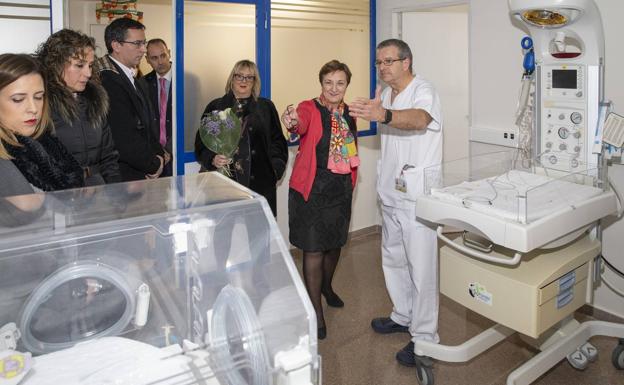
[{"x": 445, "y": 64}]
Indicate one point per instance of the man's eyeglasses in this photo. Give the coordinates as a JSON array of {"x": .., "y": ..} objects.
[
  {"x": 243, "y": 78},
  {"x": 136, "y": 43},
  {"x": 387, "y": 62}
]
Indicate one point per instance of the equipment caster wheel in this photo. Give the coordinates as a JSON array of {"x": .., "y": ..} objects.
[
  {"x": 618, "y": 355},
  {"x": 589, "y": 351},
  {"x": 424, "y": 370},
  {"x": 578, "y": 360}
]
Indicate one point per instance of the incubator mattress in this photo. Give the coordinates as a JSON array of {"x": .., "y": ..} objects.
[{"x": 500, "y": 195}]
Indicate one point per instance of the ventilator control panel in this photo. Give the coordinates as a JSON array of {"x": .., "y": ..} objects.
[{"x": 563, "y": 114}]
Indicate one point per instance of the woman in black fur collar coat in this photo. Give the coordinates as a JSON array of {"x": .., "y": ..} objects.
[
  {"x": 260, "y": 160},
  {"x": 79, "y": 104},
  {"x": 30, "y": 156}
]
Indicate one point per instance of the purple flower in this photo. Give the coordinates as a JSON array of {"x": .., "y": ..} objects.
[{"x": 213, "y": 127}]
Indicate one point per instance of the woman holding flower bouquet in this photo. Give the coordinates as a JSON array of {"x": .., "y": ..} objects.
[
  {"x": 258, "y": 154},
  {"x": 322, "y": 182}
]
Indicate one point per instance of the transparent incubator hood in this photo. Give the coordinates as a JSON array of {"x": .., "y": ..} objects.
[
  {"x": 173, "y": 281},
  {"x": 505, "y": 185},
  {"x": 521, "y": 204}
]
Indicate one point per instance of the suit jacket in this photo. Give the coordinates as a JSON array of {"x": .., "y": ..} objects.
[
  {"x": 151, "y": 81},
  {"x": 131, "y": 122}
]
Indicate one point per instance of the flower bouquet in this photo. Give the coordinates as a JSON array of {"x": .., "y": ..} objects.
[{"x": 220, "y": 131}]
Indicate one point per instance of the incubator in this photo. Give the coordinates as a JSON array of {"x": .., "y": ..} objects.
[
  {"x": 520, "y": 232},
  {"x": 175, "y": 281}
]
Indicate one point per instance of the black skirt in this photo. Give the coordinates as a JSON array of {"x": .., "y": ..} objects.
[{"x": 321, "y": 223}]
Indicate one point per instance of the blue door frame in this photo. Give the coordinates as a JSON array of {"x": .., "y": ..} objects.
[{"x": 263, "y": 60}]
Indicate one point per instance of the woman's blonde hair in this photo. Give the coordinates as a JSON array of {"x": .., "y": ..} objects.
[
  {"x": 255, "y": 88},
  {"x": 13, "y": 67}
]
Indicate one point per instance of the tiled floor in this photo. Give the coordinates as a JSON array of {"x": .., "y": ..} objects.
[{"x": 353, "y": 354}]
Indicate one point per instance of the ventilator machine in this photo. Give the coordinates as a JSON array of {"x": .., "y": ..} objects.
[{"x": 520, "y": 230}]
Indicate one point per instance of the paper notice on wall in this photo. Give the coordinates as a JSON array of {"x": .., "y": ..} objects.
[{"x": 614, "y": 130}]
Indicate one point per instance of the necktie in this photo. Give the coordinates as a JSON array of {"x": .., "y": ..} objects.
[{"x": 163, "y": 111}]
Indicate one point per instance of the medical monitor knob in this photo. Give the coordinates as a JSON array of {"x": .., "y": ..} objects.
[{"x": 576, "y": 117}]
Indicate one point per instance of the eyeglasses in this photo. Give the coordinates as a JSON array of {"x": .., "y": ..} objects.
[
  {"x": 387, "y": 62},
  {"x": 243, "y": 78},
  {"x": 136, "y": 43}
]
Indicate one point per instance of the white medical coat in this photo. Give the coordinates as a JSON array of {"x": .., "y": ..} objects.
[{"x": 419, "y": 149}]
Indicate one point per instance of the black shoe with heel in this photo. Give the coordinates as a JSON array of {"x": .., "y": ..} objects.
[
  {"x": 321, "y": 333},
  {"x": 332, "y": 299}
]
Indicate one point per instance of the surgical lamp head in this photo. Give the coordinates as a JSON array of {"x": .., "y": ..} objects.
[
  {"x": 551, "y": 22},
  {"x": 549, "y": 18}
]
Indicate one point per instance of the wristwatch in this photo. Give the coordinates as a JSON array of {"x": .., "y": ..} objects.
[{"x": 388, "y": 117}]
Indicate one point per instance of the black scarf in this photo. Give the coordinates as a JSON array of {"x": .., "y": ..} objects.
[{"x": 45, "y": 163}]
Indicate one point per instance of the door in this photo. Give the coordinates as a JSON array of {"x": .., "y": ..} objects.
[
  {"x": 439, "y": 42},
  {"x": 211, "y": 36}
]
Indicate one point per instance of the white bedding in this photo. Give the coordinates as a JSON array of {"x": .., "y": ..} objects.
[{"x": 502, "y": 196}]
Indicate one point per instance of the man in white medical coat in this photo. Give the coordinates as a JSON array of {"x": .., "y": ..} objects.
[{"x": 411, "y": 139}]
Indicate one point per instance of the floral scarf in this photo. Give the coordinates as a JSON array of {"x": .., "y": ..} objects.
[{"x": 342, "y": 146}]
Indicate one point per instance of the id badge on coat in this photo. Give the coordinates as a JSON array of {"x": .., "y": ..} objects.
[{"x": 399, "y": 182}]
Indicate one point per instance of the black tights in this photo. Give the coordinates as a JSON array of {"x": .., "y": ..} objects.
[{"x": 318, "y": 272}]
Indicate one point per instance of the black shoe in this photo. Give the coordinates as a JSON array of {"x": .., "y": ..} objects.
[
  {"x": 333, "y": 300},
  {"x": 386, "y": 325},
  {"x": 321, "y": 333},
  {"x": 406, "y": 356}
]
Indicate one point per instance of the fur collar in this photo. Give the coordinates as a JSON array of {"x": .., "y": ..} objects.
[
  {"x": 65, "y": 106},
  {"x": 45, "y": 163}
]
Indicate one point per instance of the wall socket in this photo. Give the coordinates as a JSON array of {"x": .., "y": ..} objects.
[{"x": 501, "y": 137}]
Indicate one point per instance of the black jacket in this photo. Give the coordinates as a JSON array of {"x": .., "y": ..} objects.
[
  {"x": 81, "y": 125},
  {"x": 269, "y": 151},
  {"x": 130, "y": 119}
]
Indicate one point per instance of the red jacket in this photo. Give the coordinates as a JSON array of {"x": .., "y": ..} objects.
[{"x": 310, "y": 131}]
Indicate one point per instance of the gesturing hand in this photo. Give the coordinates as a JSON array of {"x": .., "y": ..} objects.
[
  {"x": 290, "y": 118},
  {"x": 368, "y": 109}
]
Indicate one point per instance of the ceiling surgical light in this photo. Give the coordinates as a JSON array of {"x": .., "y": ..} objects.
[{"x": 544, "y": 18}]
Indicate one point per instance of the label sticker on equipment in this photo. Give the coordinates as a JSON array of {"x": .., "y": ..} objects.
[{"x": 480, "y": 293}]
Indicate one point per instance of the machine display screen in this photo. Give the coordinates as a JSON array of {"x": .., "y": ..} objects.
[{"x": 564, "y": 79}]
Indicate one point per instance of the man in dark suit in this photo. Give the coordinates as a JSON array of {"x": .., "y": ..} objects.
[
  {"x": 159, "y": 84},
  {"x": 131, "y": 115}
]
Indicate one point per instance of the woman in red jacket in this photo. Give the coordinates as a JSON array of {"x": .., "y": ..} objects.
[{"x": 321, "y": 184}]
